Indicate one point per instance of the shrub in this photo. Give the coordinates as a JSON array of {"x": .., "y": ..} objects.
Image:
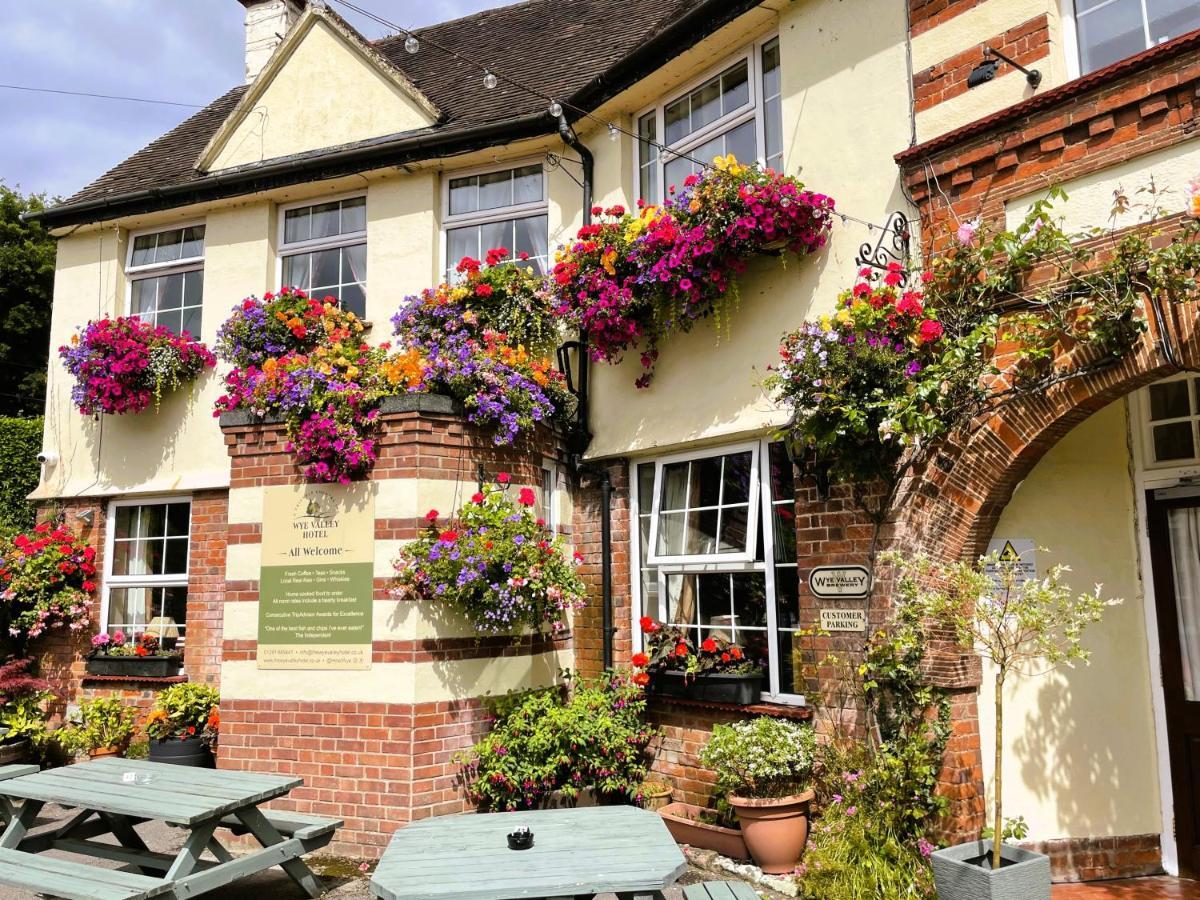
[
  {"x": 23, "y": 699},
  {"x": 183, "y": 711},
  {"x": 591, "y": 738},
  {"x": 20, "y": 442},
  {"x": 762, "y": 757},
  {"x": 98, "y": 725}
]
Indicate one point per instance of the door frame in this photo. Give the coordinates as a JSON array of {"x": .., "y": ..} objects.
[{"x": 1144, "y": 480}]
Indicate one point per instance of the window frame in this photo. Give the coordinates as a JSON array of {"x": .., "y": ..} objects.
[
  {"x": 719, "y": 560},
  {"x": 1146, "y": 425},
  {"x": 147, "y": 271},
  {"x": 767, "y": 566},
  {"x": 1069, "y": 15},
  {"x": 111, "y": 581},
  {"x": 490, "y": 216},
  {"x": 752, "y": 109},
  {"x": 334, "y": 242}
]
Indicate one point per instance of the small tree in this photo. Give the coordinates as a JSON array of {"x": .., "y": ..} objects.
[{"x": 1012, "y": 622}]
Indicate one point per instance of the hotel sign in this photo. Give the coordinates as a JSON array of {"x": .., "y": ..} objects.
[
  {"x": 839, "y": 582},
  {"x": 316, "y": 581}
]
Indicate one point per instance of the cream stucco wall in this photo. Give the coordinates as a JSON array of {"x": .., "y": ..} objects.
[
  {"x": 845, "y": 112},
  {"x": 302, "y": 105},
  {"x": 1080, "y": 756}
]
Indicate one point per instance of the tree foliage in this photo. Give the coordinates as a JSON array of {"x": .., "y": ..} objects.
[
  {"x": 27, "y": 255},
  {"x": 20, "y": 441}
]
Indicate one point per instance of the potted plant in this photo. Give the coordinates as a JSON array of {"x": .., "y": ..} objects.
[
  {"x": 655, "y": 794},
  {"x": 716, "y": 671},
  {"x": 101, "y": 727},
  {"x": 705, "y": 829},
  {"x": 1013, "y": 622},
  {"x": 22, "y": 711},
  {"x": 184, "y": 724},
  {"x": 764, "y": 766},
  {"x": 142, "y": 657}
]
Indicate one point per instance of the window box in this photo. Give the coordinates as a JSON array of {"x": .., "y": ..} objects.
[
  {"x": 739, "y": 690},
  {"x": 135, "y": 666}
]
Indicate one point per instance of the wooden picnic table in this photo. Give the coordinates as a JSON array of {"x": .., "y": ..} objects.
[
  {"x": 113, "y": 795},
  {"x": 575, "y": 853}
]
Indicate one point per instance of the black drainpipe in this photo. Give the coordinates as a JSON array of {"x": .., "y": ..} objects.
[{"x": 571, "y": 139}]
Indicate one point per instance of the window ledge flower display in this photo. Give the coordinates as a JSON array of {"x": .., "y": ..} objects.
[
  {"x": 122, "y": 364},
  {"x": 632, "y": 279},
  {"x": 496, "y": 563},
  {"x": 142, "y": 657},
  {"x": 47, "y": 582},
  {"x": 716, "y": 671}
]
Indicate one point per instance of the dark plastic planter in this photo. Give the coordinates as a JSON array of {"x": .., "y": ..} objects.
[
  {"x": 188, "y": 752},
  {"x": 135, "y": 666},
  {"x": 741, "y": 690}
]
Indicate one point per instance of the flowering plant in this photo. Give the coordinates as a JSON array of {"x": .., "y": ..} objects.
[
  {"x": 496, "y": 562},
  {"x": 183, "y": 711},
  {"x": 594, "y": 738},
  {"x": 289, "y": 321},
  {"x": 671, "y": 648},
  {"x": 118, "y": 644},
  {"x": 630, "y": 280},
  {"x": 762, "y": 757},
  {"x": 850, "y": 378},
  {"x": 120, "y": 364},
  {"x": 461, "y": 332},
  {"x": 47, "y": 579}
]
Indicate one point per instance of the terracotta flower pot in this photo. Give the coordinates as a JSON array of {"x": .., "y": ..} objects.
[
  {"x": 101, "y": 752},
  {"x": 684, "y": 823},
  {"x": 775, "y": 829},
  {"x": 656, "y": 794}
]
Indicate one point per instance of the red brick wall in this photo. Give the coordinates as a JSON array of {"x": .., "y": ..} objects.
[
  {"x": 926, "y": 14},
  {"x": 589, "y": 631},
  {"x": 375, "y": 765}
]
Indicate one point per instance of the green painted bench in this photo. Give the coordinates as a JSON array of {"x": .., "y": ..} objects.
[
  {"x": 313, "y": 832},
  {"x": 73, "y": 880},
  {"x": 720, "y": 890},
  {"x": 16, "y": 770}
]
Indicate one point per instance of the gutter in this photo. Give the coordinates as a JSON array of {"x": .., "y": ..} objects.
[{"x": 701, "y": 21}]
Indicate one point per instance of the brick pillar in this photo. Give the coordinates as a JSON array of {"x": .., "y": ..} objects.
[
  {"x": 588, "y": 627},
  {"x": 206, "y": 585}
]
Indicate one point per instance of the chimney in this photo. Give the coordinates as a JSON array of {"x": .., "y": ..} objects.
[{"x": 267, "y": 22}]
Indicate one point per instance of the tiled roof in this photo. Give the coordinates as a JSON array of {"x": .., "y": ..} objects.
[{"x": 556, "y": 47}]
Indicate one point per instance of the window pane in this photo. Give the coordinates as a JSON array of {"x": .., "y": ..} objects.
[
  {"x": 461, "y": 242},
  {"x": 464, "y": 195},
  {"x": 1169, "y": 401},
  {"x": 771, "y": 74},
  {"x": 126, "y": 520},
  {"x": 714, "y": 605},
  {"x": 742, "y": 143},
  {"x": 527, "y": 184},
  {"x": 495, "y": 235},
  {"x": 171, "y": 320},
  {"x": 749, "y": 599},
  {"x": 706, "y": 105},
  {"x": 706, "y": 481},
  {"x": 1173, "y": 441},
  {"x": 297, "y": 225},
  {"x": 170, "y": 246},
  {"x": 354, "y": 299},
  {"x": 674, "y": 486},
  {"x": 787, "y": 596},
  {"x": 676, "y": 171},
  {"x": 735, "y": 87},
  {"x": 648, "y": 156},
  {"x": 737, "y": 478},
  {"x": 192, "y": 321},
  {"x": 532, "y": 237},
  {"x": 354, "y": 215},
  {"x": 1171, "y": 18},
  {"x": 132, "y": 608},
  {"x": 1110, "y": 33},
  {"x": 143, "y": 250},
  {"x": 676, "y": 118},
  {"x": 152, "y": 521},
  {"x": 790, "y": 649},
  {"x": 701, "y": 532},
  {"x": 193, "y": 241},
  {"x": 670, "y": 534},
  {"x": 354, "y": 263},
  {"x": 171, "y": 296},
  {"x": 296, "y": 271},
  {"x": 734, "y": 525},
  {"x": 782, "y": 474},
  {"x": 176, "y": 557},
  {"x": 495, "y": 189},
  {"x": 178, "y": 518},
  {"x": 143, "y": 297},
  {"x": 784, "y": 516},
  {"x": 326, "y": 220},
  {"x": 326, "y": 269}
]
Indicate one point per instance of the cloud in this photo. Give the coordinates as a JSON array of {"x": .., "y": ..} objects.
[{"x": 188, "y": 51}]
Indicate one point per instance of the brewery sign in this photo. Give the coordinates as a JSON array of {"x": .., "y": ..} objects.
[{"x": 840, "y": 582}]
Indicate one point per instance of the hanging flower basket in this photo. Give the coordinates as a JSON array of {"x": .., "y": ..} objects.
[
  {"x": 47, "y": 579},
  {"x": 122, "y": 365}
]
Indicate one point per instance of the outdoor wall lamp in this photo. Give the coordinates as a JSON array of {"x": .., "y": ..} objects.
[{"x": 986, "y": 70}]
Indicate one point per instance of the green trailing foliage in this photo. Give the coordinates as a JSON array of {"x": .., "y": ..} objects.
[{"x": 20, "y": 443}]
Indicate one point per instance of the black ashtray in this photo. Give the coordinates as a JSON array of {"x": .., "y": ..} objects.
[{"x": 521, "y": 839}]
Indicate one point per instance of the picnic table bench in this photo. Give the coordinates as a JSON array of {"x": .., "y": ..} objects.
[{"x": 111, "y": 796}]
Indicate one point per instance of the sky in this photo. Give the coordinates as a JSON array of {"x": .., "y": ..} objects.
[{"x": 186, "y": 51}]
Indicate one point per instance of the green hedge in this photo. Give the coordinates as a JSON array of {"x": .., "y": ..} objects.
[{"x": 20, "y": 443}]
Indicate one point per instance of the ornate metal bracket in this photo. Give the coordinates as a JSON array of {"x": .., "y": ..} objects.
[{"x": 893, "y": 246}]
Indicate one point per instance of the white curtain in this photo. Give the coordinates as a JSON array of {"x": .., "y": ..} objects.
[{"x": 1185, "y": 556}]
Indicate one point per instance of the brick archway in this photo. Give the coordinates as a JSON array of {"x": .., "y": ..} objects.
[{"x": 951, "y": 508}]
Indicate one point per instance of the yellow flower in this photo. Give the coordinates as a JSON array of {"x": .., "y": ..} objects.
[
  {"x": 352, "y": 372},
  {"x": 607, "y": 261},
  {"x": 844, "y": 316},
  {"x": 825, "y": 323}
]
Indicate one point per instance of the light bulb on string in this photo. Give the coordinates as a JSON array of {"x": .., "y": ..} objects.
[
  {"x": 555, "y": 108},
  {"x": 613, "y": 132},
  {"x": 490, "y": 81},
  {"x": 411, "y": 44}
]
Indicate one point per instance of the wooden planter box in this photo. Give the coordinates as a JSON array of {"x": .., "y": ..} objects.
[
  {"x": 740, "y": 690},
  {"x": 135, "y": 666},
  {"x": 683, "y": 821}
]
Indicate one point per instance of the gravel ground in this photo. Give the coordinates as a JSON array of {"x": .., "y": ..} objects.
[{"x": 271, "y": 884}]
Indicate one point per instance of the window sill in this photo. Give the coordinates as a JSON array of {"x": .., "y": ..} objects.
[
  {"x": 135, "y": 679},
  {"x": 774, "y": 710}
]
